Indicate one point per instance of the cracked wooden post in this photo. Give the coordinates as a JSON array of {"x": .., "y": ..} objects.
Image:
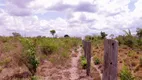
[
  {"x": 88, "y": 56},
  {"x": 110, "y": 60}
]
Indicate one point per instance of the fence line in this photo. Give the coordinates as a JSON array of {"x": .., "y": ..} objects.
[{"x": 110, "y": 58}]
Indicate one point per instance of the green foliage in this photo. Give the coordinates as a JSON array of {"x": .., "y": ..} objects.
[
  {"x": 29, "y": 55},
  {"x": 125, "y": 74},
  {"x": 54, "y": 45},
  {"x": 48, "y": 49},
  {"x": 103, "y": 35},
  {"x": 139, "y": 41},
  {"x": 129, "y": 41},
  {"x": 52, "y": 32},
  {"x": 95, "y": 39},
  {"x": 34, "y": 78},
  {"x": 131, "y": 53},
  {"x": 65, "y": 54},
  {"x": 89, "y": 38},
  {"x": 4, "y": 39},
  {"x": 139, "y": 32},
  {"x": 15, "y": 34},
  {"x": 56, "y": 50},
  {"x": 96, "y": 60},
  {"x": 120, "y": 39},
  {"x": 127, "y": 33},
  {"x": 6, "y": 47},
  {"x": 83, "y": 62}
]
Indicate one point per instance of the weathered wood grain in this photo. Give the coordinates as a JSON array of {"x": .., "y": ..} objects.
[{"x": 110, "y": 59}]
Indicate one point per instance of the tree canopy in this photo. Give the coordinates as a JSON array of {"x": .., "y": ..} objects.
[{"x": 52, "y": 32}]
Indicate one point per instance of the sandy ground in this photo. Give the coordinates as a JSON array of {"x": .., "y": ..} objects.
[{"x": 74, "y": 65}]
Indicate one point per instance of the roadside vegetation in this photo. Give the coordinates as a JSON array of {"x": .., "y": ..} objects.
[
  {"x": 24, "y": 56},
  {"x": 27, "y": 54},
  {"x": 130, "y": 53}
]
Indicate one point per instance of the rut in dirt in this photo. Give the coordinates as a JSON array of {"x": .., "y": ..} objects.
[{"x": 74, "y": 65}]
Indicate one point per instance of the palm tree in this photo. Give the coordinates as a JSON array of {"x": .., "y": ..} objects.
[{"x": 127, "y": 33}]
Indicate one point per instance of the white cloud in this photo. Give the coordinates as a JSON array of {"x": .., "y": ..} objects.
[{"x": 111, "y": 16}]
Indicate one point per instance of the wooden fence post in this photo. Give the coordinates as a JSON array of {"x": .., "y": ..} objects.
[
  {"x": 110, "y": 60},
  {"x": 88, "y": 56},
  {"x": 84, "y": 47}
]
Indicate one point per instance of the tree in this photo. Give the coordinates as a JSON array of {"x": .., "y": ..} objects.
[
  {"x": 52, "y": 32},
  {"x": 103, "y": 35},
  {"x": 139, "y": 32},
  {"x": 15, "y": 34},
  {"x": 66, "y": 35}
]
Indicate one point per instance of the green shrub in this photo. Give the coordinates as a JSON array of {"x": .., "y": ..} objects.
[
  {"x": 29, "y": 55},
  {"x": 34, "y": 78},
  {"x": 48, "y": 49},
  {"x": 103, "y": 35},
  {"x": 131, "y": 53},
  {"x": 83, "y": 62},
  {"x": 139, "y": 42},
  {"x": 139, "y": 32},
  {"x": 120, "y": 39},
  {"x": 89, "y": 38},
  {"x": 65, "y": 54},
  {"x": 96, "y": 60},
  {"x": 6, "y": 47},
  {"x": 129, "y": 42},
  {"x": 4, "y": 39},
  {"x": 125, "y": 74}
]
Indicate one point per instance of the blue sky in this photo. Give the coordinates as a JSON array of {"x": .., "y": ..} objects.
[{"x": 73, "y": 17}]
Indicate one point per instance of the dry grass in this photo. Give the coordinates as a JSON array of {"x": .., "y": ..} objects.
[{"x": 126, "y": 55}]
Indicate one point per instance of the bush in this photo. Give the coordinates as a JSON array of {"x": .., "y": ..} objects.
[
  {"x": 48, "y": 49},
  {"x": 29, "y": 55},
  {"x": 48, "y": 45},
  {"x": 129, "y": 43},
  {"x": 15, "y": 34},
  {"x": 103, "y": 35},
  {"x": 139, "y": 42},
  {"x": 125, "y": 74},
  {"x": 89, "y": 38},
  {"x": 34, "y": 78},
  {"x": 131, "y": 53},
  {"x": 120, "y": 39},
  {"x": 65, "y": 54},
  {"x": 96, "y": 60},
  {"x": 139, "y": 32},
  {"x": 83, "y": 62},
  {"x": 66, "y": 36}
]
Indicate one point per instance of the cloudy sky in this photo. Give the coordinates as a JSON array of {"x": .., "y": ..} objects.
[{"x": 73, "y": 17}]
